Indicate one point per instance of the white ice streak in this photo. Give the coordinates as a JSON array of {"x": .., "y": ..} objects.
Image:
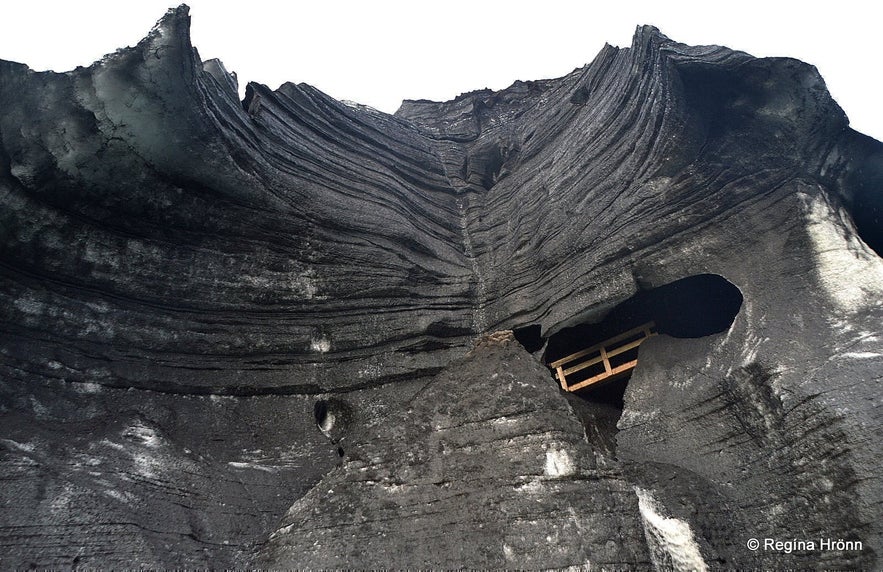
[
  {"x": 671, "y": 542},
  {"x": 26, "y": 447},
  {"x": 848, "y": 271},
  {"x": 861, "y": 355},
  {"x": 254, "y": 466},
  {"x": 558, "y": 463}
]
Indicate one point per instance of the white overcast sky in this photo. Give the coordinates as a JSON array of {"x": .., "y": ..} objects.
[{"x": 380, "y": 52}]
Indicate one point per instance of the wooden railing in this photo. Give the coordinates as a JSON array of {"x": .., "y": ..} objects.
[{"x": 600, "y": 354}]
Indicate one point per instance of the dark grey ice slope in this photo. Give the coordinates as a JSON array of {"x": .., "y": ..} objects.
[{"x": 190, "y": 282}]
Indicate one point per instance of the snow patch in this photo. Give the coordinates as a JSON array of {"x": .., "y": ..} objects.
[
  {"x": 558, "y": 463},
  {"x": 327, "y": 423},
  {"x": 88, "y": 387},
  {"x": 123, "y": 497},
  {"x": 29, "y": 305},
  {"x": 142, "y": 434},
  {"x": 861, "y": 355},
  {"x": 221, "y": 399},
  {"x": 61, "y": 502},
  {"x": 111, "y": 444},
  {"x": 370, "y": 371},
  {"x": 531, "y": 487},
  {"x": 632, "y": 418},
  {"x": 847, "y": 270},
  {"x": 146, "y": 466},
  {"x": 321, "y": 345},
  {"x": 306, "y": 283},
  {"x": 670, "y": 540},
  {"x": 26, "y": 447},
  {"x": 255, "y": 466},
  {"x": 776, "y": 510}
]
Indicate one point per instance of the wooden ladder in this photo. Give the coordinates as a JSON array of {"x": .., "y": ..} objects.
[{"x": 600, "y": 354}]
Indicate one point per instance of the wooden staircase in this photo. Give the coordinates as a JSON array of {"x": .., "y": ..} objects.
[{"x": 602, "y": 355}]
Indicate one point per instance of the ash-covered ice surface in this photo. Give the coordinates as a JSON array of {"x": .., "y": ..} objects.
[{"x": 276, "y": 332}]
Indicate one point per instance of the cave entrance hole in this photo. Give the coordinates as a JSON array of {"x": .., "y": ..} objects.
[
  {"x": 691, "y": 307},
  {"x": 530, "y": 337}
]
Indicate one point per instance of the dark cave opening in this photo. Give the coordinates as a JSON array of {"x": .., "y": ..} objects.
[
  {"x": 530, "y": 337},
  {"x": 611, "y": 393},
  {"x": 320, "y": 412},
  {"x": 864, "y": 200},
  {"x": 691, "y": 307},
  {"x": 867, "y": 215}
]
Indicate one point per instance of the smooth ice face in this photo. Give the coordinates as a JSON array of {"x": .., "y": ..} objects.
[
  {"x": 670, "y": 540},
  {"x": 850, "y": 273}
]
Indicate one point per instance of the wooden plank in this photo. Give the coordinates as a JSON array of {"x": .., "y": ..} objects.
[
  {"x": 606, "y": 360},
  {"x": 629, "y": 365},
  {"x": 562, "y": 379},
  {"x": 583, "y": 365},
  {"x": 645, "y": 330},
  {"x": 599, "y": 359},
  {"x": 574, "y": 357},
  {"x": 625, "y": 348},
  {"x": 597, "y": 347},
  {"x": 602, "y": 376},
  {"x": 600, "y": 345}
]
